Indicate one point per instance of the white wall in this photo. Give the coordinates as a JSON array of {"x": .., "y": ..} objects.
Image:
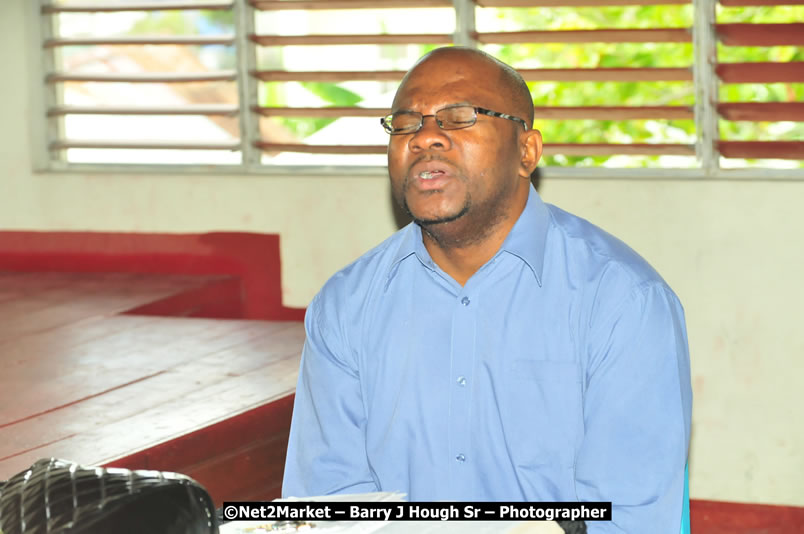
[{"x": 732, "y": 250}]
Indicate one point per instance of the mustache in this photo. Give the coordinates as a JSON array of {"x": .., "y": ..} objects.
[{"x": 425, "y": 158}]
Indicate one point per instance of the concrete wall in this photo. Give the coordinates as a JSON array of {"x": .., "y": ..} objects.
[{"x": 732, "y": 250}]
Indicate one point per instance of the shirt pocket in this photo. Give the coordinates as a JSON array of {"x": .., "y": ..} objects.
[{"x": 543, "y": 416}]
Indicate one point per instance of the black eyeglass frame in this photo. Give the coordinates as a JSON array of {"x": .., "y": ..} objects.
[{"x": 386, "y": 121}]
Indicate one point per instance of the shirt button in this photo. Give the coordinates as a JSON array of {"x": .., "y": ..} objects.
[
  {"x": 460, "y": 458},
  {"x": 461, "y": 381},
  {"x": 465, "y": 301}
]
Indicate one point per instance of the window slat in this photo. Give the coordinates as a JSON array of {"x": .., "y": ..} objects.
[
  {"x": 568, "y": 149},
  {"x": 761, "y": 72},
  {"x": 321, "y": 149},
  {"x": 229, "y": 111},
  {"x": 276, "y": 5},
  {"x": 576, "y": 3},
  {"x": 762, "y": 111},
  {"x": 668, "y": 74},
  {"x": 610, "y": 149},
  {"x": 761, "y": 34},
  {"x": 225, "y": 76},
  {"x": 143, "y": 40},
  {"x": 266, "y": 5},
  {"x": 759, "y": 3},
  {"x": 561, "y": 75},
  {"x": 615, "y": 112},
  {"x": 541, "y": 112},
  {"x": 143, "y": 145},
  {"x": 285, "y": 40},
  {"x": 328, "y": 113},
  {"x": 652, "y": 35},
  {"x": 762, "y": 149},
  {"x": 135, "y": 6},
  {"x": 328, "y": 76}
]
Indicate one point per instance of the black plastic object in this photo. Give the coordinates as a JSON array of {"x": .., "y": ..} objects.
[
  {"x": 61, "y": 497},
  {"x": 573, "y": 527}
]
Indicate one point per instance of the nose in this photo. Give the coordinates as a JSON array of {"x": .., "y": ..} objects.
[{"x": 429, "y": 137}]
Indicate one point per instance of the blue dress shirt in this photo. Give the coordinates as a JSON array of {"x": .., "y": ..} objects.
[{"x": 559, "y": 372}]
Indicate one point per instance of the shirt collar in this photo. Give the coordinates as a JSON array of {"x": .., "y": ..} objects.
[
  {"x": 526, "y": 240},
  {"x": 410, "y": 244}
]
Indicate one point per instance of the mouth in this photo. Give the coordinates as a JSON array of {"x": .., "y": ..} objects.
[{"x": 430, "y": 175}]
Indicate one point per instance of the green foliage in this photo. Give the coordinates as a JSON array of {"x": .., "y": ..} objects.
[
  {"x": 183, "y": 22},
  {"x": 274, "y": 95},
  {"x": 164, "y": 23},
  {"x": 760, "y": 15},
  {"x": 585, "y": 18},
  {"x": 642, "y": 93},
  {"x": 330, "y": 93},
  {"x": 222, "y": 19},
  {"x": 614, "y": 55},
  {"x": 333, "y": 93},
  {"x": 774, "y": 92},
  {"x": 191, "y": 23},
  {"x": 602, "y": 55}
]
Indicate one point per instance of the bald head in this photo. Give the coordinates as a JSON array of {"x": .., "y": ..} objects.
[{"x": 508, "y": 81}]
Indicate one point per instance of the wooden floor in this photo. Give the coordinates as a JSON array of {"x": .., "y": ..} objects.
[{"x": 82, "y": 380}]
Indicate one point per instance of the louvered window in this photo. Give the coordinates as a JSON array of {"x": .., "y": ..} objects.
[{"x": 644, "y": 87}]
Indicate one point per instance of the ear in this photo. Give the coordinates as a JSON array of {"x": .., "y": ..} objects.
[{"x": 530, "y": 151}]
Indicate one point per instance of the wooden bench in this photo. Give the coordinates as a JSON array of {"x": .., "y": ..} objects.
[
  {"x": 114, "y": 353},
  {"x": 84, "y": 381}
]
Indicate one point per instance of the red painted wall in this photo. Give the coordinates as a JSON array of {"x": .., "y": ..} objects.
[{"x": 253, "y": 259}]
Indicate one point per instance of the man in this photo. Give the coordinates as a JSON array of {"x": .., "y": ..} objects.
[{"x": 498, "y": 348}]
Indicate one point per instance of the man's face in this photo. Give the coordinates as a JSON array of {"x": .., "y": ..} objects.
[{"x": 466, "y": 180}]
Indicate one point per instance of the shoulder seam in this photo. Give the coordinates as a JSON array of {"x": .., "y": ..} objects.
[{"x": 597, "y": 251}]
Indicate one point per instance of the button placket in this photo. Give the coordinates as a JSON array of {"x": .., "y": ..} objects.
[{"x": 464, "y": 333}]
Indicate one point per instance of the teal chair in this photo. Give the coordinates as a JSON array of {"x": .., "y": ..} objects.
[{"x": 685, "y": 504}]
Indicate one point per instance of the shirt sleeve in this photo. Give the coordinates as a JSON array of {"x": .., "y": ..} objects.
[
  {"x": 327, "y": 446},
  {"x": 637, "y": 414}
]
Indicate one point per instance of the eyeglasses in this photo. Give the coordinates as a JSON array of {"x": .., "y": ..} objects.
[{"x": 450, "y": 118}]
